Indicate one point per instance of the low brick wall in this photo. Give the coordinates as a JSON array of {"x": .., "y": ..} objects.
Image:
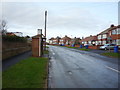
[
  {"x": 10, "y": 49},
  {"x": 67, "y": 45},
  {"x": 77, "y": 45},
  {"x": 93, "y": 47}
]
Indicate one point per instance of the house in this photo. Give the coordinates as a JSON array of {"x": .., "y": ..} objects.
[
  {"x": 65, "y": 40},
  {"x": 51, "y": 40},
  {"x": 10, "y": 34},
  {"x": 90, "y": 40},
  {"x": 54, "y": 40},
  {"x": 74, "y": 41},
  {"x": 110, "y": 35},
  {"x": 20, "y": 34}
]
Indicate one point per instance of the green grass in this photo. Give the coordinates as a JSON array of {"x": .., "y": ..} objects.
[
  {"x": 84, "y": 49},
  {"x": 73, "y": 47},
  {"x": 111, "y": 54},
  {"x": 47, "y": 47},
  {"x": 46, "y": 52},
  {"x": 28, "y": 73}
]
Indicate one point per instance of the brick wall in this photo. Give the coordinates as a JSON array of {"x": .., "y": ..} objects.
[
  {"x": 94, "y": 47},
  {"x": 10, "y": 49}
]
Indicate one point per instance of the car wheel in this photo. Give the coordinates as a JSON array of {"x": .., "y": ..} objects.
[{"x": 105, "y": 48}]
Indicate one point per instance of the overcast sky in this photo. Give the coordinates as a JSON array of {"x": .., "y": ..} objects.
[{"x": 75, "y": 19}]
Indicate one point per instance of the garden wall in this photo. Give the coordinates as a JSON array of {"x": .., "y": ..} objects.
[{"x": 10, "y": 49}]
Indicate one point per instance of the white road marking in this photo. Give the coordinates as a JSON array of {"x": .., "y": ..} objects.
[
  {"x": 53, "y": 53},
  {"x": 112, "y": 69}
]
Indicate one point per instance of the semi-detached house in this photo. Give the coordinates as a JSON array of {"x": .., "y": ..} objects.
[
  {"x": 65, "y": 40},
  {"x": 110, "y": 35}
]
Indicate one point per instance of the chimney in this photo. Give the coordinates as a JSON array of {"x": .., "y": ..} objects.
[
  {"x": 39, "y": 31},
  {"x": 112, "y": 25}
]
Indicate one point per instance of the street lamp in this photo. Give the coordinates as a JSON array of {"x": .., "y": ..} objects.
[
  {"x": 45, "y": 27},
  {"x": 109, "y": 39}
]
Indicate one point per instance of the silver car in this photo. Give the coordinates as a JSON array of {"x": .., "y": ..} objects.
[{"x": 107, "y": 46}]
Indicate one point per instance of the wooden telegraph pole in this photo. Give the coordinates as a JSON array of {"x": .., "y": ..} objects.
[{"x": 45, "y": 27}]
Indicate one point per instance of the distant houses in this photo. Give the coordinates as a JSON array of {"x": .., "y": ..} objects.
[
  {"x": 110, "y": 35},
  {"x": 20, "y": 34}
]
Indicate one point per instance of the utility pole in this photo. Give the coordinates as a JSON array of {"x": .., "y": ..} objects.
[{"x": 45, "y": 27}]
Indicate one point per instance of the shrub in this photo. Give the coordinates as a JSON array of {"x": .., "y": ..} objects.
[{"x": 14, "y": 38}]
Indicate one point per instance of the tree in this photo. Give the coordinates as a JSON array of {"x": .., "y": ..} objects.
[{"x": 3, "y": 27}]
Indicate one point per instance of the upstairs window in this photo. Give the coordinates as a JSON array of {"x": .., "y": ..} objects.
[
  {"x": 99, "y": 37},
  {"x": 114, "y": 31},
  {"x": 118, "y": 31},
  {"x": 104, "y": 36}
]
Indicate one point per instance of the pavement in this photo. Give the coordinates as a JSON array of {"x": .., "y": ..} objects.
[
  {"x": 72, "y": 68},
  {"x": 15, "y": 59}
]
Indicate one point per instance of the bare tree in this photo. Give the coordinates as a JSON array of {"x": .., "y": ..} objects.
[{"x": 3, "y": 27}]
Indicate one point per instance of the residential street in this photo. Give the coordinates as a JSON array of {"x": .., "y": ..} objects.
[{"x": 72, "y": 68}]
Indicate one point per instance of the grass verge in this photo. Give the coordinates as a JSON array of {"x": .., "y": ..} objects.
[
  {"x": 28, "y": 73},
  {"x": 112, "y": 54},
  {"x": 73, "y": 47},
  {"x": 84, "y": 49},
  {"x": 46, "y": 52}
]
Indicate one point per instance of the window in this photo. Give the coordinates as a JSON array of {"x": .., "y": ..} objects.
[
  {"x": 113, "y": 41},
  {"x": 104, "y": 42},
  {"x": 118, "y": 41},
  {"x": 99, "y": 42},
  {"x": 89, "y": 42},
  {"x": 104, "y": 36},
  {"x": 61, "y": 40},
  {"x": 114, "y": 31},
  {"x": 96, "y": 42},
  {"x": 99, "y": 37},
  {"x": 118, "y": 31},
  {"x": 82, "y": 42}
]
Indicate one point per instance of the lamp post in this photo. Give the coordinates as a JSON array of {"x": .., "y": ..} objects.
[
  {"x": 45, "y": 28},
  {"x": 109, "y": 39}
]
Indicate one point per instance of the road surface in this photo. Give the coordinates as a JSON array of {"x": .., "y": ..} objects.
[{"x": 71, "y": 68}]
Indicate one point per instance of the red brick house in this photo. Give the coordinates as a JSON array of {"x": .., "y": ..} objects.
[
  {"x": 54, "y": 40},
  {"x": 89, "y": 40},
  {"x": 110, "y": 35},
  {"x": 65, "y": 40},
  {"x": 75, "y": 41}
]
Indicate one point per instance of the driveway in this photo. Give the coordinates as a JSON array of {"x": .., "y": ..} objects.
[{"x": 72, "y": 68}]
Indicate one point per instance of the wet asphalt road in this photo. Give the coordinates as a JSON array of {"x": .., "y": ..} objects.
[{"x": 71, "y": 68}]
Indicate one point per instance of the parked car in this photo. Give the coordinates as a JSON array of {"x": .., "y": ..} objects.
[{"x": 107, "y": 46}]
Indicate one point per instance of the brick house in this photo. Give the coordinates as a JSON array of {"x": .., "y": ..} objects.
[
  {"x": 51, "y": 40},
  {"x": 89, "y": 40},
  {"x": 10, "y": 34},
  {"x": 74, "y": 41},
  {"x": 20, "y": 34},
  {"x": 65, "y": 40},
  {"x": 54, "y": 40},
  {"x": 110, "y": 35}
]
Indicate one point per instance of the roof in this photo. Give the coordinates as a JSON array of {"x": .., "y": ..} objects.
[
  {"x": 66, "y": 37},
  {"x": 37, "y": 36},
  {"x": 109, "y": 29},
  {"x": 90, "y": 38}
]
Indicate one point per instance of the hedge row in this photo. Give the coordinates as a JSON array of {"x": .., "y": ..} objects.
[{"x": 14, "y": 38}]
